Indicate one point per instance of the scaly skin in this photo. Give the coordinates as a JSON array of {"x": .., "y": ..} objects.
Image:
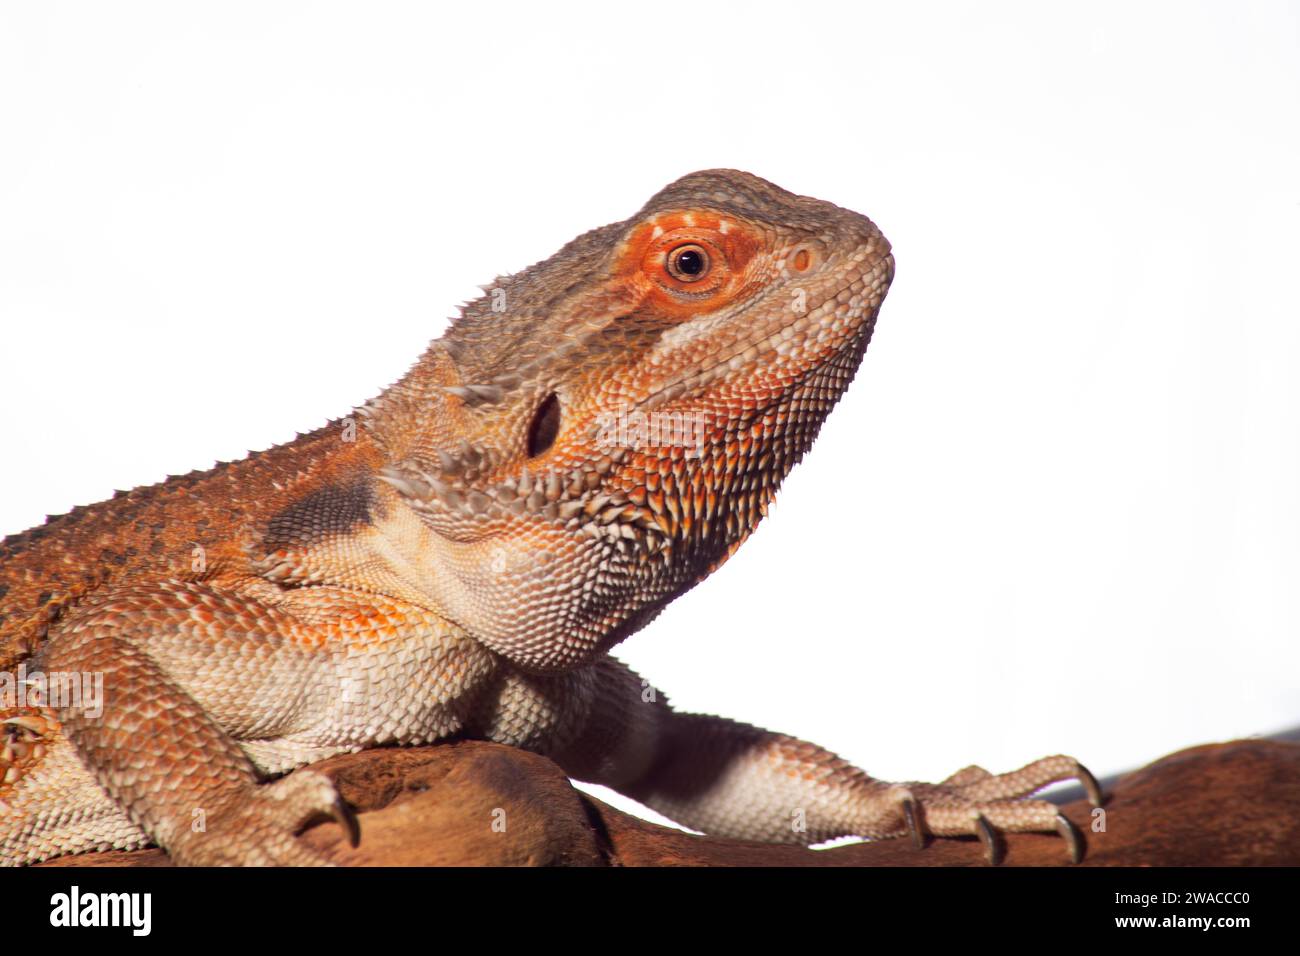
[{"x": 460, "y": 555}]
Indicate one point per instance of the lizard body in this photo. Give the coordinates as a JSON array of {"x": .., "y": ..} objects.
[{"x": 587, "y": 441}]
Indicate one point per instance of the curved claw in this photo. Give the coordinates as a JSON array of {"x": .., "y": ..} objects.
[
  {"x": 1090, "y": 786},
  {"x": 343, "y": 815},
  {"x": 1072, "y": 837},
  {"x": 913, "y": 825},
  {"x": 984, "y": 830}
]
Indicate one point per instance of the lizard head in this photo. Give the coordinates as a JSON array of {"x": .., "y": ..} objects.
[{"x": 599, "y": 432}]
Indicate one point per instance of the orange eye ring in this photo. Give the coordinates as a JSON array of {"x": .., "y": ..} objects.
[
  {"x": 688, "y": 262},
  {"x": 675, "y": 264}
]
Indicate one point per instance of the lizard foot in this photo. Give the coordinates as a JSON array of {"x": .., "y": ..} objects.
[
  {"x": 258, "y": 826},
  {"x": 22, "y": 741},
  {"x": 976, "y": 802}
]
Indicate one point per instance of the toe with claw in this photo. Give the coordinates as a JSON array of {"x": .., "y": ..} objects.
[{"x": 975, "y": 802}]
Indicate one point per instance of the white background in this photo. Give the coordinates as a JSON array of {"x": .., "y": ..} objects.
[{"x": 1056, "y": 512}]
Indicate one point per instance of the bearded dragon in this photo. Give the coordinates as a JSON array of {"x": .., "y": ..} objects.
[{"x": 590, "y": 439}]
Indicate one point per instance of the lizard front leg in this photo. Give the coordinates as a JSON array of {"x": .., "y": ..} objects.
[
  {"x": 162, "y": 761},
  {"x": 730, "y": 779}
]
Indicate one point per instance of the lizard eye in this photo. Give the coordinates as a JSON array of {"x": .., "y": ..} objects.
[
  {"x": 545, "y": 426},
  {"x": 688, "y": 263}
]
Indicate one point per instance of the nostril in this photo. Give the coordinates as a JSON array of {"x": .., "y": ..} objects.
[{"x": 803, "y": 257}]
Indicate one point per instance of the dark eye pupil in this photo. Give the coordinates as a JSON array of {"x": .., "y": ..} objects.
[{"x": 690, "y": 262}]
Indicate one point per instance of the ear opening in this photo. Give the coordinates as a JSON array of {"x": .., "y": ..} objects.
[{"x": 545, "y": 426}]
